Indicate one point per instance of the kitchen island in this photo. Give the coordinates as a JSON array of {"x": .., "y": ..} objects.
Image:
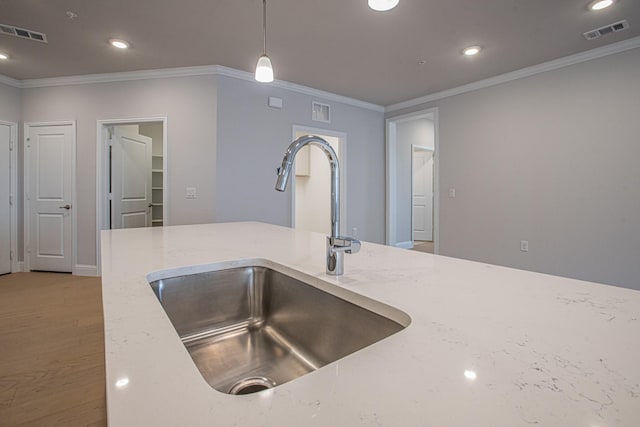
[{"x": 486, "y": 345}]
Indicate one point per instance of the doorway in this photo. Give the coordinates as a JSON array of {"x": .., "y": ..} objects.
[
  {"x": 49, "y": 186},
  {"x": 410, "y": 216},
  {"x": 8, "y": 191},
  {"x": 131, "y": 176},
  {"x": 311, "y": 193}
]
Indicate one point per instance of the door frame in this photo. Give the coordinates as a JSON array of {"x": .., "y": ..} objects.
[
  {"x": 391, "y": 178},
  {"x": 433, "y": 152},
  {"x": 342, "y": 159},
  {"x": 13, "y": 193},
  {"x": 74, "y": 200},
  {"x": 102, "y": 168}
]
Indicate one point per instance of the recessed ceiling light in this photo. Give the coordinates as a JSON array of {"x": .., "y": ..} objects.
[
  {"x": 382, "y": 5},
  {"x": 120, "y": 44},
  {"x": 471, "y": 50},
  {"x": 4, "y": 56},
  {"x": 600, "y": 4}
]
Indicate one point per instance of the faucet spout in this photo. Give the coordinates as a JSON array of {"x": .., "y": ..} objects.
[{"x": 336, "y": 245}]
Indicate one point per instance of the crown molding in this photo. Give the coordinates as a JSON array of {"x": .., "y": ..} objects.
[
  {"x": 205, "y": 70},
  {"x": 281, "y": 84},
  {"x": 119, "y": 77},
  {"x": 588, "y": 55},
  {"x": 10, "y": 82}
]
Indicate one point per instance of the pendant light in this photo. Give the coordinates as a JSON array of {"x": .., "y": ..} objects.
[
  {"x": 383, "y": 5},
  {"x": 264, "y": 69}
]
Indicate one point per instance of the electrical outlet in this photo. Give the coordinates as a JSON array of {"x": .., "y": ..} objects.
[
  {"x": 452, "y": 192},
  {"x": 524, "y": 245},
  {"x": 354, "y": 232},
  {"x": 191, "y": 193}
]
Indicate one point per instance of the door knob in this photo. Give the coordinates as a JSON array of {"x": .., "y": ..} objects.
[{"x": 67, "y": 207}]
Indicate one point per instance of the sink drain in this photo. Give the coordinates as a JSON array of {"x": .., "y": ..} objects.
[{"x": 252, "y": 385}]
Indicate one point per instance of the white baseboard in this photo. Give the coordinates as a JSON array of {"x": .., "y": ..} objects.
[
  {"x": 405, "y": 245},
  {"x": 85, "y": 270},
  {"x": 19, "y": 267}
]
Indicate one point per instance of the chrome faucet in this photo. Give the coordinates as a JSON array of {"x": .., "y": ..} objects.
[{"x": 337, "y": 245}]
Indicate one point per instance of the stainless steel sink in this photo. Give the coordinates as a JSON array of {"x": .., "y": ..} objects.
[{"x": 253, "y": 328}]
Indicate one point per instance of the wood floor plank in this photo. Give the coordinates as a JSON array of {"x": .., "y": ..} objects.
[{"x": 51, "y": 350}]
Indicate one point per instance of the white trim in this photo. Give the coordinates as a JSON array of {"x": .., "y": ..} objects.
[
  {"x": 85, "y": 270},
  {"x": 13, "y": 192},
  {"x": 391, "y": 210},
  {"x": 102, "y": 165},
  {"x": 26, "y": 182},
  {"x": 10, "y": 82},
  {"x": 219, "y": 70},
  {"x": 205, "y": 70},
  {"x": 404, "y": 245},
  {"x": 20, "y": 267},
  {"x": 588, "y": 55},
  {"x": 342, "y": 159}
]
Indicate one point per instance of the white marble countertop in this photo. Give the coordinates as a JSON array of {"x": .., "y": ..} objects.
[{"x": 547, "y": 351}]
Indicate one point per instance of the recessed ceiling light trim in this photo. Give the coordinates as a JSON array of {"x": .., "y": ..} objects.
[
  {"x": 600, "y": 4},
  {"x": 471, "y": 50},
  {"x": 382, "y": 5},
  {"x": 119, "y": 43}
]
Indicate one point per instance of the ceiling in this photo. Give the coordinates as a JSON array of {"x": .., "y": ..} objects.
[{"x": 339, "y": 46}]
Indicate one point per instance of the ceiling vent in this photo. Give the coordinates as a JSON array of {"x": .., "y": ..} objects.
[
  {"x": 10, "y": 30},
  {"x": 607, "y": 29}
]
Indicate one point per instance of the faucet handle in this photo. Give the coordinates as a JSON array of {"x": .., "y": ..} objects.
[
  {"x": 344, "y": 244},
  {"x": 354, "y": 246}
]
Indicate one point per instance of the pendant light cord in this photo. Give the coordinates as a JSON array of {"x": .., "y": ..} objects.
[{"x": 264, "y": 25}]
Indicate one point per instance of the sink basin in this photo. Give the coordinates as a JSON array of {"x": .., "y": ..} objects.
[{"x": 252, "y": 328}]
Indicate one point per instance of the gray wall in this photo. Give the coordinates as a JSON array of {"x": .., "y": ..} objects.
[
  {"x": 553, "y": 159},
  {"x": 190, "y": 106},
  {"x": 414, "y": 132},
  {"x": 200, "y": 110},
  {"x": 9, "y": 103},
  {"x": 252, "y": 139}
]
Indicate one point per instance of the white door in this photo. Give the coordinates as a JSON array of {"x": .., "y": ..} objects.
[
  {"x": 130, "y": 179},
  {"x": 423, "y": 195},
  {"x": 5, "y": 193},
  {"x": 49, "y": 194}
]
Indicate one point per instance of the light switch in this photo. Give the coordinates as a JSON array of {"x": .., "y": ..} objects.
[
  {"x": 524, "y": 245},
  {"x": 452, "y": 192},
  {"x": 191, "y": 193}
]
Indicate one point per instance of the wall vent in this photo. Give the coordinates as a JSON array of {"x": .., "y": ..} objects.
[
  {"x": 607, "y": 29},
  {"x": 23, "y": 33},
  {"x": 320, "y": 112}
]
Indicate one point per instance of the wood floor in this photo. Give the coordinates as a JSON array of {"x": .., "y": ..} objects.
[
  {"x": 51, "y": 350},
  {"x": 423, "y": 246}
]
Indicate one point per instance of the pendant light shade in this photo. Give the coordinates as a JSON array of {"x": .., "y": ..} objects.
[
  {"x": 264, "y": 69},
  {"x": 382, "y": 5}
]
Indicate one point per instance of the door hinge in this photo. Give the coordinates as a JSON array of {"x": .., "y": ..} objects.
[
  {"x": 10, "y": 145},
  {"x": 11, "y": 200},
  {"x": 110, "y": 196}
]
